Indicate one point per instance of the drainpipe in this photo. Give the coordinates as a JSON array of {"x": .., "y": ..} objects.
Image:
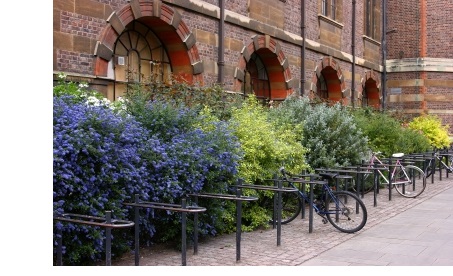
[
  {"x": 353, "y": 55},
  {"x": 384, "y": 52},
  {"x": 221, "y": 61},
  {"x": 302, "y": 28}
]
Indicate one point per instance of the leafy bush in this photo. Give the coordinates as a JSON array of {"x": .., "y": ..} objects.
[
  {"x": 182, "y": 94},
  {"x": 431, "y": 127},
  {"x": 329, "y": 132},
  {"x": 266, "y": 147},
  {"x": 387, "y": 135}
]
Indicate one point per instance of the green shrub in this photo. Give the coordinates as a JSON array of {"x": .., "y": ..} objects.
[
  {"x": 387, "y": 134},
  {"x": 266, "y": 146},
  {"x": 192, "y": 96},
  {"x": 431, "y": 127},
  {"x": 329, "y": 132}
]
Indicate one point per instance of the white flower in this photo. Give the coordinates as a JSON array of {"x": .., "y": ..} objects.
[
  {"x": 93, "y": 101},
  {"x": 61, "y": 76}
]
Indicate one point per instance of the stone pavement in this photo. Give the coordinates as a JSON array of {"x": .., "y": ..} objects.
[{"x": 399, "y": 232}]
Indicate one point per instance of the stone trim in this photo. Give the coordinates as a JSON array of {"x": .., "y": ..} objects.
[{"x": 420, "y": 65}]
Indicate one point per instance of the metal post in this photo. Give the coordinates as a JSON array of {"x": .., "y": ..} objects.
[
  {"x": 221, "y": 62},
  {"x": 108, "y": 243},
  {"x": 310, "y": 209},
  {"x": 279, "y": 213},
  {"x": 302, "y": 59},
  {"x": 390, "y": 178},
  {"x": 183, "y": 232},
  {"x": 60, "y": 247},
  {"x": 195, "y": 230},
  {"x": 137, "y": 231},
  {"x": 238, "y": 224},
  {"x": 375, "y": 184}
]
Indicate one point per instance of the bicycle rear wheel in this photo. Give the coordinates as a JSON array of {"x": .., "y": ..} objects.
[
  {"x": 291, "y": 207},
  {"x": 346, "y": 212},
  {"x": 409, "y": 181}
]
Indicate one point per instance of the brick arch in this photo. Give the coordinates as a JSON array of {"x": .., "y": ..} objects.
[
  {"x": 371, "y": 85},
  {"x": 168, "y": 26},
  {"x": 275, "y": 61},
  {"x": 329, "y": 71}
]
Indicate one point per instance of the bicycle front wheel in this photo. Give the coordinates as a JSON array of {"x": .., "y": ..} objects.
[
  {"x": 346, "y": 212},
  {"x": 409, "y": 181}
]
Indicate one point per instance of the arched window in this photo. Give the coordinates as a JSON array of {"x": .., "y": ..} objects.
[
  {"x": 256, "y": 79},
  {"x": 139, "y": 56}
]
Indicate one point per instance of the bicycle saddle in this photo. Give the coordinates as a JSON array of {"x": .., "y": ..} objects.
[
  {"x": 329, "y": 176},
  {"x": 398, "y": 155}
]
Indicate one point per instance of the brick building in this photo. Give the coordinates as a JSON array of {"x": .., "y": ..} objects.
[{"x": 331, "y": 49}]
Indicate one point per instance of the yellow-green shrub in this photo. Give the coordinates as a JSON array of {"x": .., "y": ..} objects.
[
  {"x": 431, "y": 126},
  {"x": 266, "y": 146}
]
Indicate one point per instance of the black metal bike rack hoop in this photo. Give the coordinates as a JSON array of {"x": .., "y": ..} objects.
[
  {"x": 239, "y": 198},
  {"x": 276, "y": 189},
  {"x": 313, "y": 180},
  {"x": 182, "y": 208},
  {"x": 106, "y": 222}
]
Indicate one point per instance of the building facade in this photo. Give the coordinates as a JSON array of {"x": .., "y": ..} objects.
[{"x": 329, "y": 49}]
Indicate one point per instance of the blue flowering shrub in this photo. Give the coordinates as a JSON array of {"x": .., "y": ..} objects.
[
  {"x": 104, "y": 154},
  {"x": 202, "y": 156},
  {"x": 97, "y": 165}
]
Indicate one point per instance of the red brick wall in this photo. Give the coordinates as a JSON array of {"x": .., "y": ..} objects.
[
  {"x": 440, "y": 28},
  {"x": 404, "y": 16}
]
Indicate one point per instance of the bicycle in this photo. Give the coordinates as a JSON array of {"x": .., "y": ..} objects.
[
  {"x": 344, "y": 210},
  {"x": 438, "y": 161},
  {"x": 408, "y": 180}
]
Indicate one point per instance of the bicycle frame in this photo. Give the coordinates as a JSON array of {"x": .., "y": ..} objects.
[
  {"x": 392, "y": 173},
  {"x": 326, "y": 191},
  {"x": 440, "y": 159}
]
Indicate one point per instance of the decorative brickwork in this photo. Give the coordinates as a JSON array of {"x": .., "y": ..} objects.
[{"x": 419, "y": 54}]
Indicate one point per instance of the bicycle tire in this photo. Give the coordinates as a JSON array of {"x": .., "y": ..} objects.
[
  {"x": 291, "y": 207},
  {"x": 346, "y": 212},
  {"x": 410, "y": 188}
]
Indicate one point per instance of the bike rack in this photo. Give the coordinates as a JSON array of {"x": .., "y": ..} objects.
[
  {"x": 311, "y": 182},
  {"x": 182, "y": 208},
  {"x": 442, "y": 156},
  {"x": 276, "y": 189},
  {"x": 239, "y": 198},
  {"x": 425, "y": 158},
  {"x": 357, "y": 170},
  {"x": 106, "y": 222}
]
